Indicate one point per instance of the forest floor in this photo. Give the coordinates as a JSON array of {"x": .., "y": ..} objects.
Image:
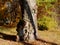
[{"x": 8, "y": 37}]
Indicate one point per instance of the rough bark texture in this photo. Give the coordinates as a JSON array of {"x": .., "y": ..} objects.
[{"x": 27, "y": 29}]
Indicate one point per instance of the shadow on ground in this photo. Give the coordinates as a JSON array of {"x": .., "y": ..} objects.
[
  {"x": 8, "y": 37},
  {"x": 13, "y": 38}
]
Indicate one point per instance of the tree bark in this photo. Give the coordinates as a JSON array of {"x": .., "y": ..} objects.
[{"x": 27, "y": 31}]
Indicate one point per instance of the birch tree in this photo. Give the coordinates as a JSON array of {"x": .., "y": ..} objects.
[{"x": 27, "y": 27}]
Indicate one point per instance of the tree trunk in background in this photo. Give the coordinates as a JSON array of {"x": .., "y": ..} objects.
[{"x": 29, "y": 31}]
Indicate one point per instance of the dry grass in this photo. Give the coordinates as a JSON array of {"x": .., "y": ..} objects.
[
  {"x": 10, "y": 31},
  {"x": 49, "y": 36},
  {"x": 52, "y": 36}
]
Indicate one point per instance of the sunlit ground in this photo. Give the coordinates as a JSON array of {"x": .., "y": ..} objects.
[
  {"x": 10, "y": 31},
  {"x": 52, "y": 36}
]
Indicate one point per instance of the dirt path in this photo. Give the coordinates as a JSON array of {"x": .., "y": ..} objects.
[
  {"x": 6, "y": 39},
  {"x": 10, "y": 42}
]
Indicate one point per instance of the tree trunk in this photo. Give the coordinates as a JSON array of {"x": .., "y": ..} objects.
[{"x": 28, "y": 29}]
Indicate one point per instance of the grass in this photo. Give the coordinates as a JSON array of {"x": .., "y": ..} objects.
[
  {"x": 10, "y": 31},
  {"x": 53, "y": 36}
]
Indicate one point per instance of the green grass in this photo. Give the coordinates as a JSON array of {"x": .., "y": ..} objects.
[{"x": 47, "y": 23}]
